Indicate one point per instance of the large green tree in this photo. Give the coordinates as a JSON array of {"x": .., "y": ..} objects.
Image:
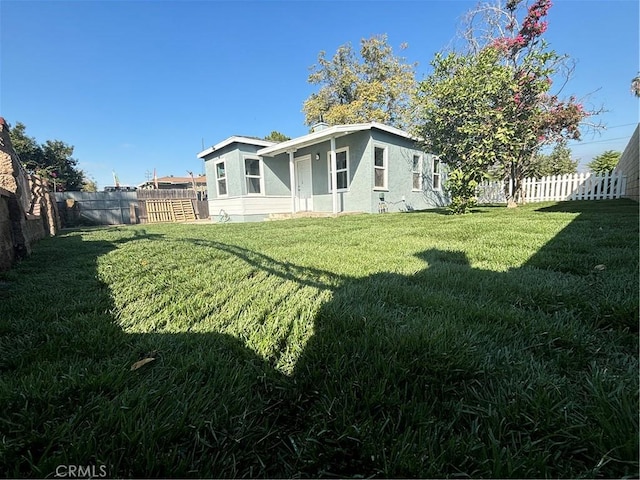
[
  {"x": 457, "y": 108},
  {"x": 558, "y": 162},
  {"x": 89, "y": 185},
  {"x": 51, "y": 160},
  {"x": 493, "y": 104},
  {"x": 605, "y": 162},
  {"x": 375, "y": 85},
  {"x": 276, "y": 136}
]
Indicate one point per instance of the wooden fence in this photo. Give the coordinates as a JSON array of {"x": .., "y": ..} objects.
[
  {"x": 123, "y": 207},
  {"x": 170, "y": 210},
  {"x": 166, "y": 193},
  {"x": 96, "y": 208},
  {"x": 577, "y": 186},
  {"x": 170, "y": 205}
]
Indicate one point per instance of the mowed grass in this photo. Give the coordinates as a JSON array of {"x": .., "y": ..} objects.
[{"x": 498, "y": 344}]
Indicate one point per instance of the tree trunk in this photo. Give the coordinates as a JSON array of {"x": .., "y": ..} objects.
[
  {"x": 513, "y": 187},
  {"x": 510, "y": 187}
]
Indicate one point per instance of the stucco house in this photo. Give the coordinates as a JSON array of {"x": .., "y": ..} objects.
[
  {"x": 373, "y": 166},
  {"x": 629, "y": 165}
]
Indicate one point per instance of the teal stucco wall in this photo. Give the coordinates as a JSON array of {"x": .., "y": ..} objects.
[
  {"x": 355, "y": 199},
  {"x": 361, "y": 195},
  {"x": 399, "y": 194},
  {"x": 276, "y": 175},
  {"x": 231, "y": 156},
  {"x": 275, "y": 171}
]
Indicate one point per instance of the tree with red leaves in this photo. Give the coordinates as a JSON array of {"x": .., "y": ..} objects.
[
  {"x": 494, "y": 102},
  {"x": 539, "y": 117}
]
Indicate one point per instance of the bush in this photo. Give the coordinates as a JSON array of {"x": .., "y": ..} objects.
[{"x": 462, "y": 189}]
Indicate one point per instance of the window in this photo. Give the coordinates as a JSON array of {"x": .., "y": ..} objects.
[
  {"x": 342, "y": 169},
  {"x": 252, "y": 173},
  {"x": 416, "y": 171},
  {"x": 436, "y": 174},
  {"x": 379, "y": 168},
  {"x": 221, "y": 178}
]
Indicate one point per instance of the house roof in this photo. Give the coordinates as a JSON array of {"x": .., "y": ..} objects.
[
  {"x": 236, "y": 139},
  {"x": 327, "y": 133},
  {"x": 171, "y": 179},
  {"x": 200, "y": 179}
]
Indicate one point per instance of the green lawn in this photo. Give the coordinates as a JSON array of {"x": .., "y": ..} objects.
[{"x": 498, "y": 344}]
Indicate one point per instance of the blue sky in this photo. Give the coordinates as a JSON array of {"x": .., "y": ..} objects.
[{"x": 138, "y": 85}]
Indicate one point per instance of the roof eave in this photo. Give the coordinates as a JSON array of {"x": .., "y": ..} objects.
[
  {"x": 312, "y": 139},
  {"x": 236, "y": 139},
  {"x": 393, "y": 130},
  {"x": 323, "y": 135}
]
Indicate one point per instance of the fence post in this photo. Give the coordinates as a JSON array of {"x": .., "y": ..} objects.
[
  {"x": 581, "y": 186},
  {"x": 607, "y": 185},
  {"x": 133, "y": 218},
  {"x": 572, "y": 187}
]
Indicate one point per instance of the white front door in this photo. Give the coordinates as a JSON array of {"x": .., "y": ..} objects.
[{"x": 304, "y": 193}]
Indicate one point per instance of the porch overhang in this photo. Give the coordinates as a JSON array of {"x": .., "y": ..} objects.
[{"x": 325, "y": 135}]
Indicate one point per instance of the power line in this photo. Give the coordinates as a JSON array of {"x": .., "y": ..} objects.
[
  {"x": 618, "y": 126},
  {"x": 579, "y": 144}
]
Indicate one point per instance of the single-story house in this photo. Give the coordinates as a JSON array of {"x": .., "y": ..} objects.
[{"x": 364, "y": 167}]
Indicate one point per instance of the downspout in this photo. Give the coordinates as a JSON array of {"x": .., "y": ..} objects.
[
  {"x": 334, "y": 175},
  {"x": 292, "y": 181}
]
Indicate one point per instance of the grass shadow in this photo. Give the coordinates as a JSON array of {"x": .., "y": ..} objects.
[
  {"x": 70, "y": 397},
  {"x": 444, "y": 211},
  {"x": 451, "y": 371},
  {"x": 596, "y": 207}
]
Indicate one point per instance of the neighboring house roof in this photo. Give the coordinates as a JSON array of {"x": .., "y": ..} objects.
[
  {"x": 200, "y": 180},
  {"x": 325, "y": 134},
  {"x": 236, "y": 139}
]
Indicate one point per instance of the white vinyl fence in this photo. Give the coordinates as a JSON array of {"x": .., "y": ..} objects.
[{"x": 577, "y": 186}]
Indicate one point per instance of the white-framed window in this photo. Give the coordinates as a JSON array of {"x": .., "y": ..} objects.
[
  {"x": 379, "y": 167},
  {"x": 342, "y": 169},
  {"x": 221, "y": 178},
  {"x": 253, "y": 175},
  {"x": 437, "y": 183},
  {"x": 416, "y": 172}
]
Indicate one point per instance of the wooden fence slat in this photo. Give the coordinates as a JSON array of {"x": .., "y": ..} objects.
[{"x": 170, "y": 210}]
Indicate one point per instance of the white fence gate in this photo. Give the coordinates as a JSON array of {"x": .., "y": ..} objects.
[{"x": 577, "y": 186}]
